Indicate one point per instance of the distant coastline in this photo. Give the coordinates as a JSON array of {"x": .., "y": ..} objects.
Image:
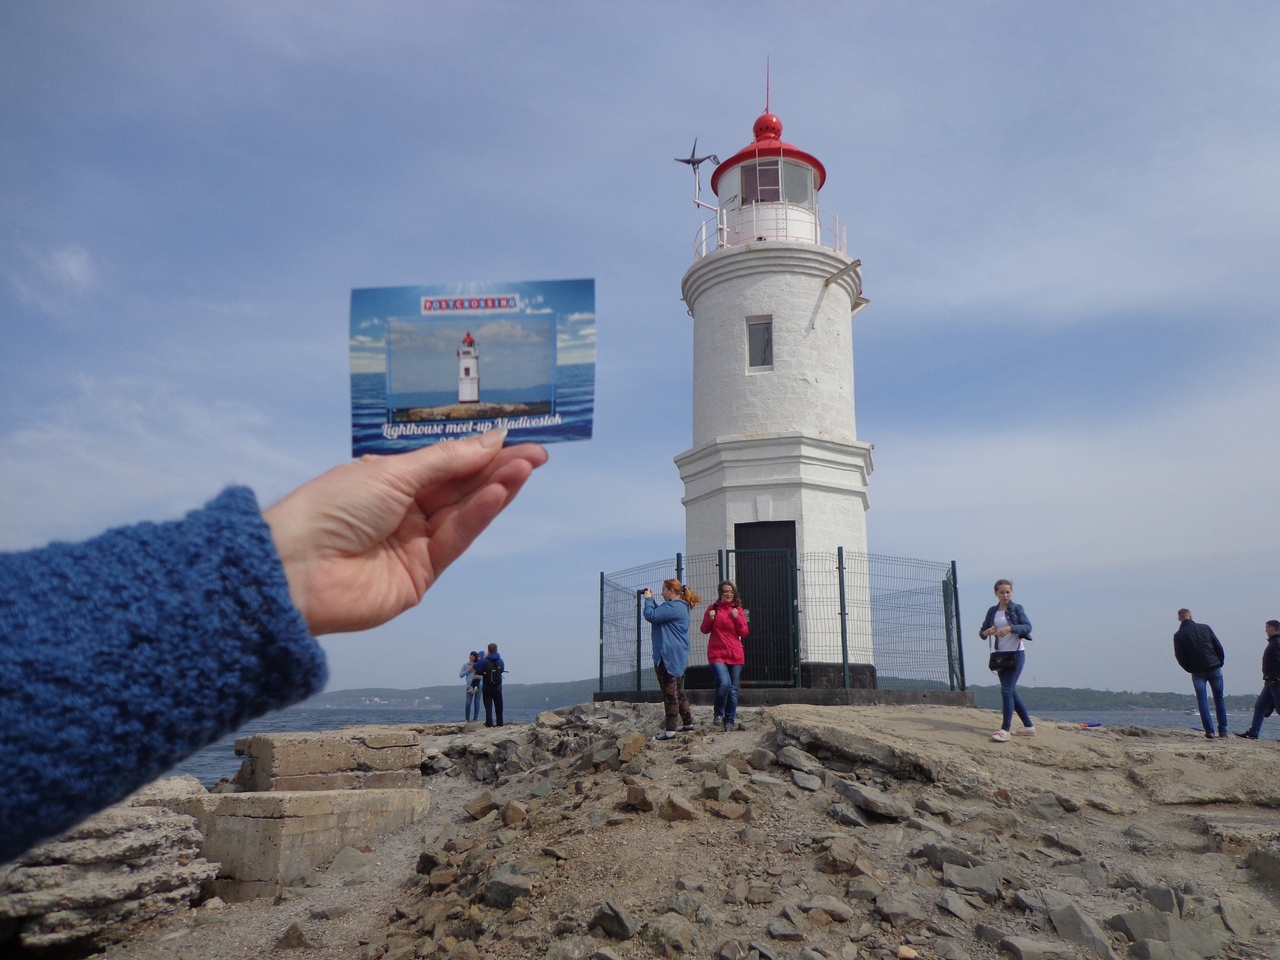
[{"x": 549, "y": 696}]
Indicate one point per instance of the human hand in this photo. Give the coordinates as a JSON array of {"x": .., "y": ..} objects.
[
  {"x": 363, "y": 542},
  {"x": 1004, "y": 631}
]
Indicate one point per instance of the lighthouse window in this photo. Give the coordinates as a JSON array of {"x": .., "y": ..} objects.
[
  {"x": 760, "y": 342},
  {"x": 761, "y": 182},
  {"x": 797, "y": 183}
]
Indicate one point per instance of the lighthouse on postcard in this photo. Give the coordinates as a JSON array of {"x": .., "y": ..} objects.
[
  {"x": 776, "y": 468},
  {"x": 468, "y": 371}
]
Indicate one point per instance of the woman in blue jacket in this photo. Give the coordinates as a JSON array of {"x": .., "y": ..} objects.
[
  {"x": 670, "y": 641},
  {"x": 1007, "y": 622}
]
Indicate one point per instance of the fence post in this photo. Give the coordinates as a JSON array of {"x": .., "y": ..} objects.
[
  {"x": 955, "y": 600},
  {"x": 639, "y": 638},
  {"x": 844, "y": 617},
  {"x": 720, "y": 570},
  {"x": 602, "y": 631},
  {"x": 680, "y": 567}
]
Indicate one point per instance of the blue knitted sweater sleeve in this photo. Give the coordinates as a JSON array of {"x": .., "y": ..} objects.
[{"x": 121, "y": 655}]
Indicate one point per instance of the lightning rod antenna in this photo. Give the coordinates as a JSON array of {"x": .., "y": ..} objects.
[{"x": 766, "y": 84}]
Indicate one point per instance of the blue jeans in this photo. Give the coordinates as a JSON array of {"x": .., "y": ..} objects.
[
  {"x": 1009, "y": 700},
  {"x": 1269, "y": 698},
  {"x": 1212, "y": 680},
  {"x": 727, "y": 676},
  {"x": 473, "y": 704}
]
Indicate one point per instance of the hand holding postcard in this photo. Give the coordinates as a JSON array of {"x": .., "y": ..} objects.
[{"x": 448, "y": 361}]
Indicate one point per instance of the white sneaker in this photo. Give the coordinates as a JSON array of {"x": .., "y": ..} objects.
[
  {"x": 1025, "y": 732},
  {"x": 1000, "y": 736},
  {"x": 666, "y": 735}
]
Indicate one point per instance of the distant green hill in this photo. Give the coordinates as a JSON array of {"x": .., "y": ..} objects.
[{"x": 1039, "y": 699}]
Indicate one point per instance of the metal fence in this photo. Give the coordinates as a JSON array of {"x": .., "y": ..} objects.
[{"x": 893, "y": 619}]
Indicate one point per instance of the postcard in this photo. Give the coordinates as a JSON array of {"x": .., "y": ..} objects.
[{"x": 452, "y": 360}]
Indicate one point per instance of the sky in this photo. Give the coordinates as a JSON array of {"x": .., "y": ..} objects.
[{"x": 1068, "y": 216}]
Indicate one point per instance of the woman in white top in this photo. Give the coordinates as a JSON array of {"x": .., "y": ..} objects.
[{"x": 1007, "y": 622}]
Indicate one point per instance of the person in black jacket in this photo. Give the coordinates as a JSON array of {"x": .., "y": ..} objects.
[
  {"x": 1201, "y": 655},
  {"x": 1268, "y": 701},
  {"x": 491, "y": 668}
]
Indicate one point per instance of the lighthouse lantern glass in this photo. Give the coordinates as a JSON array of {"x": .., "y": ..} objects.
[{"x": 772, "y": 181}]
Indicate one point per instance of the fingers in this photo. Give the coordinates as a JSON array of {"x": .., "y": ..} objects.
[{"x": 510, "y": 466}]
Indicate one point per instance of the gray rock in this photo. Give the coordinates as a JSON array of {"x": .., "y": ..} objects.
[
  {"x": 1140, "y": 925},
  {"x": 732, "y": 950},
  {"x": 505, "y": 887},
  {"x": 1236, "y": 917},
  {"x": 936, "y": 854},
  {"x": 1141, "y": 838},
  {"x": 615, "y": 921},
  {"x": 957, "y": 906},
  {"x": 761, "y": 759},
  {"x": 1074, "y": 925},
  {"x": 1091, "y": 870},
  {"x": 1038, "y": 900},
  {"x": 834, "y": 907},
  {"x": 1024, "y": 948},
  {"x": 985, "y": 881},
  {"x": 684, "y": 904},
  {"x": 863, "y": 888},
  {"x": 784, "y": 930},
  {"x": 1163, "y": 899},
  {"x": 846, "y": 814},
  {"x": 1045, "y": 807},
  {"x": 934, "y": 804},
  {"x": 797, "y": 759},
  {"x": 671, "y": 933},
  {"x": 951, "y": 950},
  {"x": 569, "y": 948},
  {"x": 899, "y": 908},
  {"x": 429, "y": 859},
  {"x": 931, "y": 826},
  {"x": 806, "y": 781},
  {"x": 873, "y": 800},
  {"x": 677, "y": 807}
]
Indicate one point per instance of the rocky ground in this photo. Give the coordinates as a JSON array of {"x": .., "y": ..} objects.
[{"x": 876, "y": 832}]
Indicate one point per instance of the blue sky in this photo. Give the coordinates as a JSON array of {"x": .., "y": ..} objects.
[{"x": 1068, "y": 216}]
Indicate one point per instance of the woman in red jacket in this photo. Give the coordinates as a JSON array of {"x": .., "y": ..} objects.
[{"x": 726, "y": 621}]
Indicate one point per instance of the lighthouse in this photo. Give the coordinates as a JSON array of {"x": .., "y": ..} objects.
[
  {"x": 776, "y": 467},
  {"x": 468, "y": 371}
]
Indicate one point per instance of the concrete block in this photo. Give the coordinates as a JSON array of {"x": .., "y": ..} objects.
[
  {"x": 338, "y": 759},
  {"x": 264, "y": 840}
]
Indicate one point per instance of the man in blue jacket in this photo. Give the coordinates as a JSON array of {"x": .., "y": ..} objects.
[{"x": 1200, "y": 654}]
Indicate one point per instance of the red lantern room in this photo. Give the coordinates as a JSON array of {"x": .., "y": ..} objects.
[{"x": 768, "y": 190}]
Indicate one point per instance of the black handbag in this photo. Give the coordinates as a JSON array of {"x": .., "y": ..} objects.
[{"x": 1002, "y": 660}]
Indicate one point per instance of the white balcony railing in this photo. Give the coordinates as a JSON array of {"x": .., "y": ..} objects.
[{"x": 769, "y": 221}]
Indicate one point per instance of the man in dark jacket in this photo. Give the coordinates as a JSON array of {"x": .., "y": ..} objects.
[
  {"x": 491, "y": 668},
  {"x": 1200, "y": 654},
  {"x": 1268, "y": 701}
]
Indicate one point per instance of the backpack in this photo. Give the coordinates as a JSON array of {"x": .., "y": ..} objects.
[{"x": 493, "y": 670}]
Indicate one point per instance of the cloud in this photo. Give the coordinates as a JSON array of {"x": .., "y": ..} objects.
[
  {"x": 123, "y": 449},
  {"x": 57, "y": 280}
]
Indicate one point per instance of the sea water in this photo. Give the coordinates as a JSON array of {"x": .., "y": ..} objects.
[{"x": 575, "y": 404}]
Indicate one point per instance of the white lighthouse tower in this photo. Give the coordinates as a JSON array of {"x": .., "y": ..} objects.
[
  {"x": 468, "y": 371},
  {"x": 776, "y": 462}
]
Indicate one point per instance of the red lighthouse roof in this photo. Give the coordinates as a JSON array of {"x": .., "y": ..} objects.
[
  {"x": 769, "y": 143},
  {"x": 467, "y": 341}
]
